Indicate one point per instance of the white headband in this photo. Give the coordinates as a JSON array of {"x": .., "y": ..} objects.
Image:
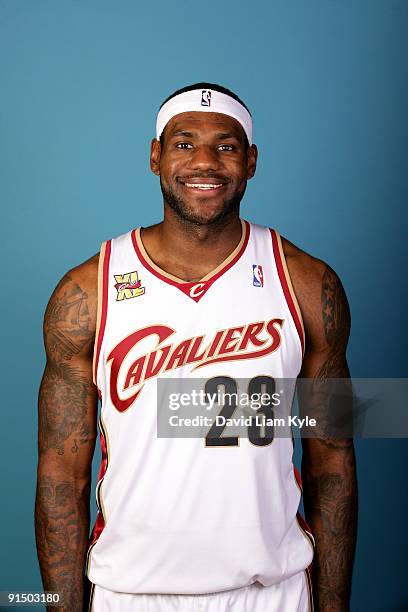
[{"x": 204, "y": 100}]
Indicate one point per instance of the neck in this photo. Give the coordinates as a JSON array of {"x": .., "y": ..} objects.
[
  {"x": 188, "y": 250},
  {"x": 223, "y": 231}
]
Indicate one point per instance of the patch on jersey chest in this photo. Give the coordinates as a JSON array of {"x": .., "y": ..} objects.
[{"x": 128, "y": 286}]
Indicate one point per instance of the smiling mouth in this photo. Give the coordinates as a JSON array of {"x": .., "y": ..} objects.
[{"x": 202, "y": 185}]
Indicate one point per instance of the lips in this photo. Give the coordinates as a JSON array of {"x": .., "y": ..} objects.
[{"x": 202, "y": 184}]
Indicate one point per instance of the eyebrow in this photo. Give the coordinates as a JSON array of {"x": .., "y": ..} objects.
[
  {"x": 219, "y": 135},
  {"x": 182, "y": 133},
  {"x": 224, "y": 135}
]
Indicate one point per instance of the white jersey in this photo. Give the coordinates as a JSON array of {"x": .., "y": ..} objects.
[{"x": 179, "y": 515}]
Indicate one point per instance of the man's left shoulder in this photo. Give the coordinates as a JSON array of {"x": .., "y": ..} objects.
[
  {"x": 306, "y": 272},
  {"x": 317, "y": 286}
]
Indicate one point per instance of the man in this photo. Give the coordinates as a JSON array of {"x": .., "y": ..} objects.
[{"x": 187, "y": 524}]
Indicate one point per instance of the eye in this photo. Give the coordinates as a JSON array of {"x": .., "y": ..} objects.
[
  {"x": 184, "y": 145},
  {"x": 225, "y": 147}
]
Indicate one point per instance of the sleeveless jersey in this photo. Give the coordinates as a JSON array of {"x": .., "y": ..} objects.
[{"x": 174, "y": 514}]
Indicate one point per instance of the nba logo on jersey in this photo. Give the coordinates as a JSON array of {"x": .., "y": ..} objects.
[
  {"x": 257, "y": 275},
  {"x": 206, "y": 97}
]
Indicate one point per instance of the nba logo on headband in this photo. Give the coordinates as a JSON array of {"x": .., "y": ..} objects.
[
  {"x": 204, "y": 100},
  {"x": 206, "y": 97}
]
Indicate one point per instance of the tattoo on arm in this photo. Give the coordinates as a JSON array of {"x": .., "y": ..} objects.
[
  {"x": 67, "y": 322},
  {"x": 328, "y": 465},
  {"x": 64, "y": 396},
  {"x": 66, "y": 438},
  {"x": 65, "y": 392},
  {"x": 336, "y": 321},
  {"x": 330, "y": 501},
  {"x": 62, "y": 525}
]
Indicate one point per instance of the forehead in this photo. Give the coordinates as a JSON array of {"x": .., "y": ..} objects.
[{"x": 204, "y": 123}]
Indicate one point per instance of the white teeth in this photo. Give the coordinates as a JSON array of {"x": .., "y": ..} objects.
[{"x": 203, "y": 185}]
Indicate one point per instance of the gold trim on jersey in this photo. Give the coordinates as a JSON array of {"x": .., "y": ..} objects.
[
  {"x": 99, "y": 498},
  {"x": 309, "y": 589},
  {"x": 309, "y": 537},
  {"x": 98, "y": 490},
  {"x": 91, "y": 596},
  {"x": 289, "y": 281},
  {"x": 209, "y": 275},
  {"x": 99, "y": 309}
]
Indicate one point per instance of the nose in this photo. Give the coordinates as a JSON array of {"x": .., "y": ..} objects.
[{"x": 204, "y": 158}]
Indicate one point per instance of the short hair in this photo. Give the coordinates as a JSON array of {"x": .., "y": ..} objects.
[{"x": 214, "y": 87}]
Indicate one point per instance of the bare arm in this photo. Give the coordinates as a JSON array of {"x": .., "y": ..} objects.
[
  {"x": 66, "y": 435},
  {"x": 328, "y": 464}
]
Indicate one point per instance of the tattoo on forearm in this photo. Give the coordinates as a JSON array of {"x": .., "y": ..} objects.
[
  {"x": 62, "y": 524},
  {"x": 330, "y": 500}
]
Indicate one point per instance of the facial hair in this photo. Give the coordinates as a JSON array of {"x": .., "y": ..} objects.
[{"x": 182, "y": 210}]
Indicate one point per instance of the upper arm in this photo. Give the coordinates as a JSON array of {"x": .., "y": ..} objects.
[
  {"x": 327, "y": 327},
  {"x": 326, "y": 317},
  {"x": 325, "y": 312},
  {"x": 68, "y": 398}
]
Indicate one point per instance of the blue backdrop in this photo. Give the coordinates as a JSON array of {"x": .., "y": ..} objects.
[{"x": 326, "y": 81}]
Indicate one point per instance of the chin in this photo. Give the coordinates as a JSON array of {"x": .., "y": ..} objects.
[
  {"x": 200, "y": 218},
  {"x": 201, "y": 211}
]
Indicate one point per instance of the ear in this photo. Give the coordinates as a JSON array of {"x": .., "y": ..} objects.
[
  {"x": 252, "y": 156},
  {"x": 155, "y": 154}
]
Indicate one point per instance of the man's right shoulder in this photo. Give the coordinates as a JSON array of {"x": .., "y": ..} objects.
[
  {"x": 86, "y": 274},
  {"x": 71, "y": 311}
]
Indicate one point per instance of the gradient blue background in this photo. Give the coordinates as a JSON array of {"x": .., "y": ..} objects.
[{"x": 326, "y": 80}]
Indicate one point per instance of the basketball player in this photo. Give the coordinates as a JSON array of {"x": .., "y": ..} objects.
[{"x": 192, "y": 524}]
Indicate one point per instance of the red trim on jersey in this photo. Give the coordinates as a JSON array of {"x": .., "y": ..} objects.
[
  {"x": 308, "y": 533},
  {"x": 308, "y": 572},
  {"x": 286, "y": 290},
  {"x": 298, "y": 477},
  {"x": 186, "y": 287},
  {"x": 98, "y": 528},
  {"x": 305, "y": 527},
  {"x": 105, "y": 287},
  {"x": 91, "y": 597},
  {"x": 100, "y": 521}
]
